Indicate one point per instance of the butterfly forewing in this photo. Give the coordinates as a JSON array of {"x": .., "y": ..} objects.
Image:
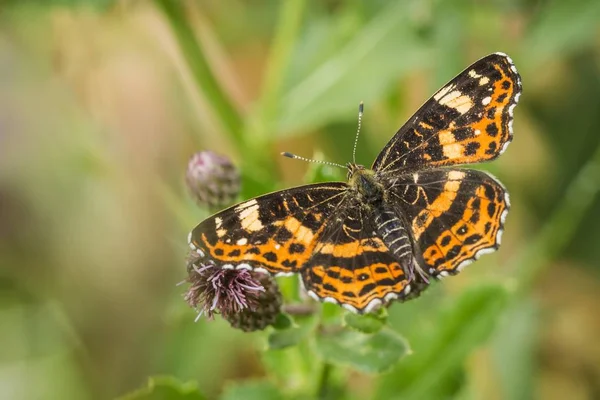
[
  {"x": 276, "y": 232},
  {"x": 469, "y": 120}
]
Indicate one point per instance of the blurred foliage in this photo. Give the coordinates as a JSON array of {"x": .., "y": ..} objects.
[{"x": 102, "y": 103}]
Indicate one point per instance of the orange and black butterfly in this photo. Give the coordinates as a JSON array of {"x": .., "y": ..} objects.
[{"x": 413, "y": 215}]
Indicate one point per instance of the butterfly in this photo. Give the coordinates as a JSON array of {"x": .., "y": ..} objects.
[{"x": 385, "y": 232}]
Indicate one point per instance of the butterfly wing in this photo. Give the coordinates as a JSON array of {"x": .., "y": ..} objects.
[
  {"x": 455, "y": 215},
  {"x": 276, "y": 232},
  {"x": 467, "y": 121},
  {"x": 352, "y": 266}
]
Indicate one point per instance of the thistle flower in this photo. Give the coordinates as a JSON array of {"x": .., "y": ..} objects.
[
  {"x": 213, "y": 180},
  {"x": 248, "y": 300},
  {"x": 216, "y": 290}
]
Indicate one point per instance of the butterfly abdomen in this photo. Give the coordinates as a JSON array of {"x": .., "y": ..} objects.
[{"x": 394, "y": 234}]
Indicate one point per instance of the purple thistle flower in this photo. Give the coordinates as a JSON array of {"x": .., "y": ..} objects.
[{"x": 224, "y": 291}]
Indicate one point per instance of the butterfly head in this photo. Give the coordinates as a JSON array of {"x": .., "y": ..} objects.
[{"x": 364, "y": 182}]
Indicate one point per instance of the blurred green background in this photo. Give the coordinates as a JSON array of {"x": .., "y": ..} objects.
[{"x": 103, "y": 102}]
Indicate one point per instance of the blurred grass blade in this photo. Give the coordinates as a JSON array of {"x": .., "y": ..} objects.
[
  {"x": 514, "y": 351},
  {"x": 561, "y": 27},
  {"x": 208, "y": 86},
  {"x": 559, "y": 230},
  {"x": 286, "y": 31},
  {"x": 385, "y": 47}
]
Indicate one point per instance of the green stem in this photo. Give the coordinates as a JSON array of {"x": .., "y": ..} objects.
[
  {"x": 202, "y": 74},
  {"x": 561, "y": 227},
  {"x": 324, "y": 388},
  {"x": 288, "y": 26}
]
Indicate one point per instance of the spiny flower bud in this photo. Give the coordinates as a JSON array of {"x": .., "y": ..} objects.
[
  {"x": 266, "y": 310},
  {"x": 212, "y": 179}
]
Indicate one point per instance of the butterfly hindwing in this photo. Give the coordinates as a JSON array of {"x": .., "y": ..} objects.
[
  {"x": 276, "y": 232},
  {"x": 455, "y": 215},
  {"x": 352, "y": 266},
  {"x": 469, "y": 120}
]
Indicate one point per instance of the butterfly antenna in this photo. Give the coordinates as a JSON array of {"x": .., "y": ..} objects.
[
  {"x": 360, "y": 114},
  {"x": 295, "y": 157}
]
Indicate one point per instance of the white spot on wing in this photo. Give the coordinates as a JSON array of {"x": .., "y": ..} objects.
[
  {"x": 313, "y": 295},
  {"x": 350, "y": 308},
  {"x": 261, "y": 270},
  {"x": 390, "y": 296},
  {"x": 249, "y": 216},
  {"x": 474, "y": 74},
  {"x": 486, "y": 101},
  {"x": 442, "y": 92},
  {"x": 242, "y": 242},
  {"x": 373, "y": 305},
  {"x": 456, "y": 175},
  {"x": 463, "y": 264},
  {"x": 455, "y": 99},
  {"x": 454, "y": 150}
]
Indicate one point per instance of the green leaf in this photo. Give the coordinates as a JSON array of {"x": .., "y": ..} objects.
[
  {"x": 166, "y": 388},
  {"x": 283, "y": 321},
  {"x": 281, "y": 339},
  {"x": 332, "y": 314},
  {"x": 368, "y": 353},
  {"x": 368, "y": 323},
  {"x": 253, "y": 390}
]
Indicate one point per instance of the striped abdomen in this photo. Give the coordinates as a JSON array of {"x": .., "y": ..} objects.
[{"x": 392, "y": 231}]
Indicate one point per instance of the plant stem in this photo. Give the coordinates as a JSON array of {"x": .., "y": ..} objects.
[
  {"x": 324, "y": 388},
  {"x": 202, "y": 74}
]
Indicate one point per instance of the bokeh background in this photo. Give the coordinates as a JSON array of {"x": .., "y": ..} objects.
[{"x": 103, "y": 102}]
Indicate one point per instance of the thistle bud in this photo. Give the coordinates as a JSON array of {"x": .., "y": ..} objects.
[{"x": 213, "y": 180}]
